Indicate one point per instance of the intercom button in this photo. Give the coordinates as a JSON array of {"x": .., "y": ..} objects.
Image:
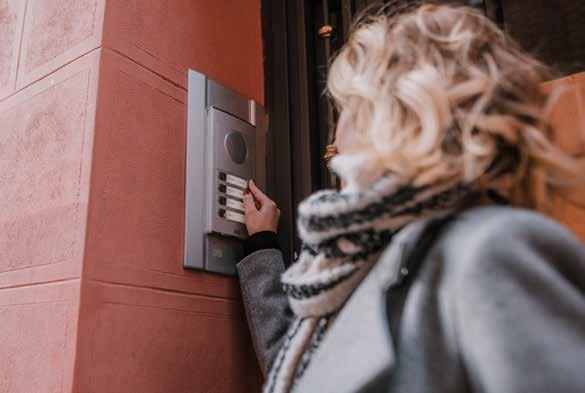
[
  {"x": 233, "y": 216},
  {"x": 236, "y": 205},
  {"x": 222, "y": 176},
  {"x": 231, "y": 191},
  {"x": 236, "y": 181},
  {"x": 235, "y": 192}
]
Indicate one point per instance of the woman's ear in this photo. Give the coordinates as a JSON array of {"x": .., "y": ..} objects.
[
  {"x": 357, "y": 170},
  {"x": 347, "y": 137}
]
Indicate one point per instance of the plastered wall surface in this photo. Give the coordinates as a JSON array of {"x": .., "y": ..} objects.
[
  {"x": 145, "y": 340},
  {"x": 11, "y": 24},
  {"x": 46, "y": 137},
  {"x": 45, "y": 156},
  {"x": 221, "y": 39},
  {"x": 93, "y": 296}
]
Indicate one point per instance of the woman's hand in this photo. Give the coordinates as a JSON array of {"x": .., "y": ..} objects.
[{"x": 262, "y": 214}]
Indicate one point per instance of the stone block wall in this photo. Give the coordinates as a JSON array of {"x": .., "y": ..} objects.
[{"x": 93, "y": 295}]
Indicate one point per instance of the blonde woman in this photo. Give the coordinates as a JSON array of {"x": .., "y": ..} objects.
[{"x": 416, "y": 276}]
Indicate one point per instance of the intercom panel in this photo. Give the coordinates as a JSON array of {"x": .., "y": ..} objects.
[
  {"x": 231, "y": 151},
  {"x": 222, "y": 135}
]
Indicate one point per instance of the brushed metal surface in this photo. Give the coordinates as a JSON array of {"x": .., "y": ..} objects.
[
  {"x": 227, "y": 100},
  {"x": 220, "y": 125},
  {"x": 195, "y": 172},
  {"x": 212, "y": 242}
]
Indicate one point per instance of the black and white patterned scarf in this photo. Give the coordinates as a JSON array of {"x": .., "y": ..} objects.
[{"x": 343, "y": 234}]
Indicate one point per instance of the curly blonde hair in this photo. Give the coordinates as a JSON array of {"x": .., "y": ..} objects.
[{"x": 439, "y": 93}]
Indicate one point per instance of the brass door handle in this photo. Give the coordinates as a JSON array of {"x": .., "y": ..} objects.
[{"x": 325, "y": 31}]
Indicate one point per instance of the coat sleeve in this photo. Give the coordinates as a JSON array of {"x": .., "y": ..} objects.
[
  {"x": 520, "y": 307},
  {"x": 266, "y": 305}
]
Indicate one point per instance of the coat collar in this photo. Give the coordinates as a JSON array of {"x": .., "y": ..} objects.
[{"x": 359, "y": 348}]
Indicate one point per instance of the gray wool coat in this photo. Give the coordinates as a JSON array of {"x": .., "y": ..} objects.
[{"x": 498, "y": 306}]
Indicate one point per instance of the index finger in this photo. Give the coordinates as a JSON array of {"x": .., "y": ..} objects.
[{"x": 258, "y": 194}]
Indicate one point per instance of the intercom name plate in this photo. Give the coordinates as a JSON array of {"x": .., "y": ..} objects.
[
  {"x": 234, "y": 204},
  {"x": 236, "y": 181},
  {"x": 231, "y": 191}
]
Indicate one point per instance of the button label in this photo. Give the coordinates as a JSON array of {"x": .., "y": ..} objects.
[
  {"x": 236, "y": 205},
  {"x": 235, "y": 192},
  {"x": 236, "y": 181},
  {"x": 233, "y": 216}
]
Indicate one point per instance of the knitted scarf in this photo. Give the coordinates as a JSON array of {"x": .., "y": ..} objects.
[{"x": 343, "y": 234}]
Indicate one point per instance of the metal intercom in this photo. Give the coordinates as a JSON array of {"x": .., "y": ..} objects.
[{"x": 222, "y": 129}]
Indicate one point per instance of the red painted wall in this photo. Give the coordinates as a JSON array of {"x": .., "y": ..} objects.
[{"x": 93, "y": 296}]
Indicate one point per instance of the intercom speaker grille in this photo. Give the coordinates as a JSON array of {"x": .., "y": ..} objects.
[{"x": 235, "y": 145}]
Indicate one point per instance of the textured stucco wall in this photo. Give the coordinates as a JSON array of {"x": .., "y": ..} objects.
[
  {"x": 93, "y": 296},
  {"x": 46, "y": 137}
]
